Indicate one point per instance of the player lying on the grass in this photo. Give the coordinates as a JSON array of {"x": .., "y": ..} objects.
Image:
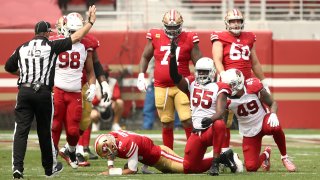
[
  {"x": 247, "y": 103},
  {"x": 136, "y": 148},
  {"x": 207, "y": 101}
]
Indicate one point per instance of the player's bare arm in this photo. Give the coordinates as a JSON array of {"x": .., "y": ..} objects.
[
  {"x": 217, "y": 54},
  {"x": 195, "y": 53},
  {"x": 221, "y": 106},
  {"x": 76, "y": 37},
  {"x": 267, "y": 99},
  {"x": 146, "y": 56},
  {"x": 256, "y": 66}
]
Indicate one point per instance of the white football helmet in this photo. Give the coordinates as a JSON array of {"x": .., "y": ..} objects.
[
  {"x": 172, "y": 21},
  {"x": 105, "y": 146},
  {"x": 60, "y": 25},
  {"x": 235, "y": 79},
  {"x": 204, "y": 70},
  {"x": 74, "y": 22},
  {"x": 235, "y": 28}
]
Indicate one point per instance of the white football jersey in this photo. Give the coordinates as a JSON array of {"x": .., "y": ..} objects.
[
  {"x": 69, "y": 68},
  {"x": 203, "y": 99},
  {"x": 249, "y": 110}
]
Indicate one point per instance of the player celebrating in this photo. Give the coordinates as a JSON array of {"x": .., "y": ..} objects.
[
  {"x": 207, "y": 100},
  {"x": 67, "y": 90},
  {"x": 247, "y": 103},
  {"x": 167, "y": 96},
  {"x": 136, "y": 148},
  {"x": 235, "y": 48}
]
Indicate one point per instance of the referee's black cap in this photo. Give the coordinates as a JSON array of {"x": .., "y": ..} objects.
[{"x": 42, "y": 26}]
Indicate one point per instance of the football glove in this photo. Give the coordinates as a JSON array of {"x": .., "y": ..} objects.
[
  {"x": 206, "y": 122},
  {"x": 141, "y": 83},
  {"x": 91, "y": 92},
  {"x": 106, "y": 92},
  {"x": 273, "y": 120},
  {"x": 265, "y": 85}
]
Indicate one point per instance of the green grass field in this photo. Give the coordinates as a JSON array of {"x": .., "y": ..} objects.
[{"x": 302, "y": 145}]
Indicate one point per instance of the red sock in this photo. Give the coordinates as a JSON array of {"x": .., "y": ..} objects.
[
  {"x": 226, "y": 142},
  {"x": 167, "y": 137},
  {"x": 86, "y": 137},
  {"x": 188, "y": 130}
]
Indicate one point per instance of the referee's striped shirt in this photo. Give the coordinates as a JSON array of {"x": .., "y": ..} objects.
[{"x": 36, "y": 60}]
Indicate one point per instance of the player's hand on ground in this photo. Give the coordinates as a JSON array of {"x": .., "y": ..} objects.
[
  {"x": 105, "y": 173},
  {"x": 91, "y": 92},
  {"x": 141, "y": 83},
  {"x": 206, "y": 122}
]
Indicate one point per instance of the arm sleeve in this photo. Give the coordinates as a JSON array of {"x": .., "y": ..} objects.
[
  {"x": 174, "y": 75},
  {"x": 98, "y": 70},
  {"x": 61, "y": 45},
  {"x": 12, "y": 63},
  {"x": 133, "y": 161}
]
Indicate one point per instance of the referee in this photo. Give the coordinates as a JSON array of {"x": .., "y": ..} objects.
[{"x": 34, "y": 63}]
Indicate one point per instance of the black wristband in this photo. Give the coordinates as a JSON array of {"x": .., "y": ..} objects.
[{"x": 90, "y": 23}]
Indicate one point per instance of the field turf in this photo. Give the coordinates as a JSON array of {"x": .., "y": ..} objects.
[{"x": 303, "y": 147}]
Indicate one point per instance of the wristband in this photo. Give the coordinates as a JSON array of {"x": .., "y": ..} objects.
[
  {"x": 90, "y": 23},
  {"x": 115, "y": 171},
  {"x": 110, "y": 163}
]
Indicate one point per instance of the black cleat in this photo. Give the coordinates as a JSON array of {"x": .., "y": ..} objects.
[
  {"x": 227, "y": 160},
  {"x": 17, "y": 174},
  {"x": 56, "y": 171},
  {"x": 92, "y": 156},
  {"x": 214, "y": 169}
]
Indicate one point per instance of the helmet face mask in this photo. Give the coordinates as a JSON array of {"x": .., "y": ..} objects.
[
  {"x": 60, "y": 25},
  {"x": 172, "y": 22},
  {"x": 235, "y": 79},
  {"x": 204, "y": 71},
  {"x": 234, "y": 21},
  {"x": 105, "y": 146},
  {"x": 74, "y": 22}
]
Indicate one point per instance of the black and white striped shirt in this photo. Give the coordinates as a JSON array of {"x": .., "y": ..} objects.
[{"x": 36, "y": 60}]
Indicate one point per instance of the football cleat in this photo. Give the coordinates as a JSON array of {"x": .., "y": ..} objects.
[
  {"x": 81, "y": 160},
  {"x": 214, "y": 169},
  {"x": 238, "y": 162},
  {"x": 56, "y": 171},
  {"x": 90, "y": 154},
  {"x": 227, "y": 159},
  {"x": 17, "y": 174},
  {"x": 64, "y": 153},
  {"x": 73, "y": 160},
  {"x": 288, "y": 164},
  {"x": 266, "y": 163}
]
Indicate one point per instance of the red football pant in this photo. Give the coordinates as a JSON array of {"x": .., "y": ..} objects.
[
  {"x": 67, "y": 112},
  {"x": 84, "y": 139},
  {"x": 197, "y": 146},
  {"x": 251, "y": 146}
]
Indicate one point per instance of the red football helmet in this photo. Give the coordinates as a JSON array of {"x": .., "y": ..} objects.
[
  {"x": 234, "y": 28},
  {"x": 172, "y": 21}
]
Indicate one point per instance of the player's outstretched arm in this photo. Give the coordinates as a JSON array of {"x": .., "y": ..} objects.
[{"x": 177, "y": 78}]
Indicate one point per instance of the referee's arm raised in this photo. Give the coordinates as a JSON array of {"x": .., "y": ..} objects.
[{"x": 75, "y": 37}]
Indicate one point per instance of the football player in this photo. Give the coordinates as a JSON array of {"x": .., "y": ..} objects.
[
  {"x": 247, "y": 103},
  {"x": 235, "y": 48},
  {"x": 207, "y": 101},
  {"x": 67, "y": 88},
  {"x": 168, "y": 97},
  {"x": 136, "y": 148}
]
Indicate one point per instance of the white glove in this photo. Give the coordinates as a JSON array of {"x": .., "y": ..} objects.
[
  {"x": 141, "y": 83},
  {"x": 106, "y": 91},
  {"x": 273, "y": 120},
  {"x": 265, "y": 85},
  {"x": 91, "y": 92}
]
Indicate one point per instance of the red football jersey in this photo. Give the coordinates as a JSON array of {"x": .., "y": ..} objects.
[
  {"x": 161, "y": 45},
  {"x": 128, "y": 142},
  {"x": 253, "y": 85},
  {"x": 236, "y": 50},
  {"x": 91, "y": 42}
]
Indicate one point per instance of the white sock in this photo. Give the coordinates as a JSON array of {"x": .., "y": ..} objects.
[
  {"x": 79, "y": 149},
  {"x": 72, "y": 148},
  {"x": 285, "y": 156}
]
